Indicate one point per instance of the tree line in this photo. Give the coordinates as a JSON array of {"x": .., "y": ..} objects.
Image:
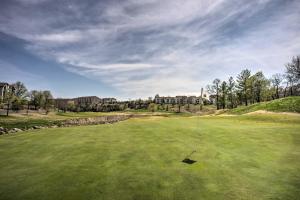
[
  {"x": 17, "y": 97},
  {"x": 250, "y": 88}
]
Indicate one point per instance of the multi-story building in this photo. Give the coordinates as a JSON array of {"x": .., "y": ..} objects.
[
  {"x": 158, "y": 99},
  {"x": 177, "y": 100},
  {"x": 83, "y": 101},
  {"x": 109, "y": 100},
  {"x": 88, "y": 100}
]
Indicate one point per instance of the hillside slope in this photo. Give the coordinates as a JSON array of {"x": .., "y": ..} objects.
[{"x": 288, "y": 104}]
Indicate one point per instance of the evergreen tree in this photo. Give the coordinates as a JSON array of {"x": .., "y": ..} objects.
[
  {"x": 223, "y": 94},
  {"x": 231, "y": 85},
  {"x": 243, "y": 80}
]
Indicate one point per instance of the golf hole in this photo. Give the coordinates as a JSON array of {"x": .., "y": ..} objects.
[{"x": 188, "y": 161}]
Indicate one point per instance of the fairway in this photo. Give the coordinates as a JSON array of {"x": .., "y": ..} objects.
[{"x": 237, "y": 157}]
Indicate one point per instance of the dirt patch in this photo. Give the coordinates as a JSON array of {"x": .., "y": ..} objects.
[
  {"x": 269, "y": 112},
  {"x": 226, "y": 115}
]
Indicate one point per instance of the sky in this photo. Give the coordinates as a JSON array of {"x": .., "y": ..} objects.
[{"x": 138, "y": 48}]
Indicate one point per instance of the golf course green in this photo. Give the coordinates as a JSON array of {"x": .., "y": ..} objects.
[{"x": 237, "y": 157}]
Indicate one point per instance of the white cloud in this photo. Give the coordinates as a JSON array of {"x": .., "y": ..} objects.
[
  {"x": 166, "y": 47},
  {"x": 65, "y": 37}
]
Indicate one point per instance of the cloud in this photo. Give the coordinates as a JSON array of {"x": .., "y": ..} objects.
[{"x": 167, "y": 47}]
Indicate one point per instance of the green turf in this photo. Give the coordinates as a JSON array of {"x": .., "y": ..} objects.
[
  {"x": 288, "y": 104},
  {"x": 241, "y": 157}
]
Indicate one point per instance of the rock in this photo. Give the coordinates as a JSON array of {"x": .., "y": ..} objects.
[
  {"x": 3, "y": 130},
  {"x": 16, "y": 130},
  {"x": 54, "y": 126},
  {"x": 37, "y": 127},
  {"x": 11, "y": 131}
]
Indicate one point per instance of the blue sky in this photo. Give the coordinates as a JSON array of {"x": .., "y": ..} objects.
[{"x": 137, "y": 48}]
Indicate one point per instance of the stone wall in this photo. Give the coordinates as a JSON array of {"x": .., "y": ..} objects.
[{"x": 96, "y": 120}]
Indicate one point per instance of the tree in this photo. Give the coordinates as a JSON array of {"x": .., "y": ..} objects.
[
  {"x": 215, "y": 89},
  {"x": 290, "y": 79},
  {"x": 179, "y": 107},
  {"x": 8, "y": 98},
  {"x": 276, "y": 81},
  {"x": 71, "y": 105},
  {"x": 293, "y": 68},
  {"x": 151, "y": 107},
  {"x": 259, "y": 84},
  {"x": 293, "y": 73},
  {"x": 231, "y": 85},
  {"x": 19, "y": 95},
  {"x": 48, "y": 100},
  {"x": 223, "y": 94},
  {"x": 243, "y": 84},
  {"x": 19, "y": 89},
  {"x": 36, "y": 99}
]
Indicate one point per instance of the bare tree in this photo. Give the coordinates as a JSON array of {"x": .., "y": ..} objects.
[
  {"x": 214, "y": 89},
  {"x": 292, "y": 73},
  {"x": 276, "y": 80},
  {"x": 8, "y": 98},
  {"x": 293, "y": 68},
  {"x": 19, "y": 90},
  {"x": 48, "y": 100}
]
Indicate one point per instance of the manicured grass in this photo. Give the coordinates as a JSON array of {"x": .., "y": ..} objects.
[
  {"x": 241, "y": 157},
  {"x": 288, "y": 104}
]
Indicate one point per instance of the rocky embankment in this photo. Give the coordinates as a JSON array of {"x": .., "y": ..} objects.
[{"x": 109, "y": 119}]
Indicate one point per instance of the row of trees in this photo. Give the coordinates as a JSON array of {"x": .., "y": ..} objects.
[
  {"x": 108, "y": 107},
  {"x": 252, "y": 88},
  {"x": 16, "y": 97}
]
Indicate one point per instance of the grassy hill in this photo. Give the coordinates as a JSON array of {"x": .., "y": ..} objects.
[{"x": 288, "y": 104}]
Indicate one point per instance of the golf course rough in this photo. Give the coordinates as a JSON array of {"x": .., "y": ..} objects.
[{"x": 239, "y": 157}]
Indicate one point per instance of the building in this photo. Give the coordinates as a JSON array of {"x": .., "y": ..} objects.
[
  {"x": 109, "y": 100},
  {"x": 194, "y": 99},
  {"x": 158, "y": 99},
  {"x": 3, "y": 88},
  {"x": 177, "y": 100},
  {"x": 88, "y": 100},
  {"x": 63, "y": 104}
]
